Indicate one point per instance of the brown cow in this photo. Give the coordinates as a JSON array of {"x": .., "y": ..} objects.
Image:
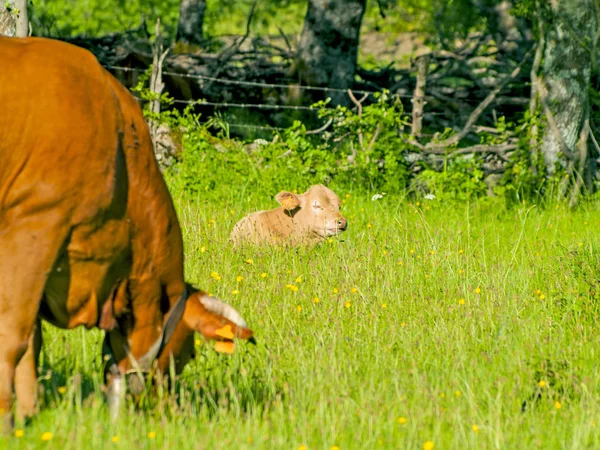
[
  {"x": 305, "y": 218},
  {"x": 88, "y": 234}
]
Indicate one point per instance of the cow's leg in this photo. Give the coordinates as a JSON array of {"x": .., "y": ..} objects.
[
  {"x": 29, "y": 245},
  {"x": 26, "y": 387}
]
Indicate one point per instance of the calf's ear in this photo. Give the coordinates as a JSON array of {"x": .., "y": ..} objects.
[
  {"x": 288, "y": 200},
  {"x": 215, "y": 320}
]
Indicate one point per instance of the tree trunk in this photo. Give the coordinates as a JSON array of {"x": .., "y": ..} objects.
[
  {"x": 191, "y": 19},
  {"x": 7, "y": 18},
  {"x": 328, "y": 46},
  {"x": 570, "y": 35}
]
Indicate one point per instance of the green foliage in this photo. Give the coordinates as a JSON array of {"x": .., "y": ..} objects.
[
  {"x": 461, "y": 179},
  {"x": 525, "y": 174},
  {"x": 99, "y": 17},
  {"x": 365, "y": 151}
]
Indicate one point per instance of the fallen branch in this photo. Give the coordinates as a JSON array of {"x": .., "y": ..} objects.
[{"x": 453, "y": 140}]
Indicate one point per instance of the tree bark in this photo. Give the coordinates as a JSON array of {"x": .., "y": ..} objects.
[
  {"x": 191, "y": 20},
  {"x": 570, "y": 35},
  {"x": 7, "y": 18},
  {"x": 328, "y": 45}
]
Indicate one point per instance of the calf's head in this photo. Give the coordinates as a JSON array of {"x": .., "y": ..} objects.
[{"x": 316, "y": 212}]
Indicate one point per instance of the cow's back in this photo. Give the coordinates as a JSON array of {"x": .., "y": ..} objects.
[{"x": 59, "y": 129}]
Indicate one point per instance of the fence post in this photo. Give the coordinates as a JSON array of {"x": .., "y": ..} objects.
[
  {"x": 418, "y": 99},
  {"x": 22, "y": 20},
  {"x": 156, "y": 87}
]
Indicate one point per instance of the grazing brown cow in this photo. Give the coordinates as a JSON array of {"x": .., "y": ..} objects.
[
  {"x": 306, "y": 218},
  {"x": 88, "y": 231}
]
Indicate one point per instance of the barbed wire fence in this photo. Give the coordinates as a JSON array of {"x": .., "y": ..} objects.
[{"x": 417, "y": 100}]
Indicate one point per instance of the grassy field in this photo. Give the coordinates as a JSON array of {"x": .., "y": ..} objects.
[{"x": 424, "y": 325}]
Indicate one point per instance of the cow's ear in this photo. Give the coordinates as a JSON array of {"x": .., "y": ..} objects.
[
  {"x": 215, "y": 320},
  {"x": 288, "y": 200}
]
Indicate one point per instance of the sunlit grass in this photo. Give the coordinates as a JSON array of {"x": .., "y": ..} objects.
[{"x": 437, "y": 326}]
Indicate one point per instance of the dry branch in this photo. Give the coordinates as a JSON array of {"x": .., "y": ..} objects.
[{"x": 453, "y": 140}]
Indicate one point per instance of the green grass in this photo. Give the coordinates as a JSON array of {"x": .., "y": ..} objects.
[{"x": 344, "y": 370}]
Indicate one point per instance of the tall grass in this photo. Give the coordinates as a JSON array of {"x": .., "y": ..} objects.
[{"x": 469, "y": 326}]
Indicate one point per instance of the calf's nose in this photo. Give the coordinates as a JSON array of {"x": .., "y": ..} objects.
[{"x": 342, "y": 223}]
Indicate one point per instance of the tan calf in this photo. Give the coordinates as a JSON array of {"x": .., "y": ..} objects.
[{"x": 306, "y": 218}]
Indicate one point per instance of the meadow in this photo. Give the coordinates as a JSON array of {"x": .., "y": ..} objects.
[{"x": 426, "y": 325}]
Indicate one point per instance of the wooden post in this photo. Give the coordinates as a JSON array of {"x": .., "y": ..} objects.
[
  {"x": 418, "y": 99},
  {"x": 22, "y": 21},
  {"x": 157, "y": 86}
]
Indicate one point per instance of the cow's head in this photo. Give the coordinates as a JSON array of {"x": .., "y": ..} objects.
[
  {"x": 195, "y": 311},
  {"x": 315, "y": 212},
  {"x": 214, "y": 319}
]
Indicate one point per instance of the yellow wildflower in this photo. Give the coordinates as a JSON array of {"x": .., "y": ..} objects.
[
  {"x": 369, "y": 225},
  {"x": 202, "y": 249},
  {"x": 239, "y": 278},
  {"x": 475, "y": 428},
  {"x": 458, "y": 393},
  {"x": 542, "y": 383},
  {"x": 115, "y": 439},
  {"x": 263, "y": 275},
  {"x": 151, "y": 435},
  {"x": 299, "y": 308},
  {"x": 385, "y": 252},
  {"x": 302, "y": 447},
  {"x": 197, "y": 342},
  {"x": 292, "y": 287},
  {"x": 46, "y": 436},
  {"x": 557, "y": 404},
  {"x": 402, "y": 420},
  {"x": 235, "y": 292},
  {"x": 316, "y": 300},
  {"x": 249, "y": 261},
  {"x": 299, "y": 280},
  {"x": 461, "y": 301},
  {"x": 335, "y": 447},
  {"x": 215, "y": 275},
  {"x": 354, "y": 290},
  {"x": 347, "y": 195},
  {"x": 383, "y": 305},
  {"x": 336, "y": 290},
  {"x": 428, "y": 445},
  {"x": 19, "y": 433},
  {"x": 477, "y": 290},
  {"x": 347, "y": 304},
  {"x": 62, "y": 389}
]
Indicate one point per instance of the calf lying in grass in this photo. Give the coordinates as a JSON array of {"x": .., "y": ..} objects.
[{"x": 306, "y": 218}]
